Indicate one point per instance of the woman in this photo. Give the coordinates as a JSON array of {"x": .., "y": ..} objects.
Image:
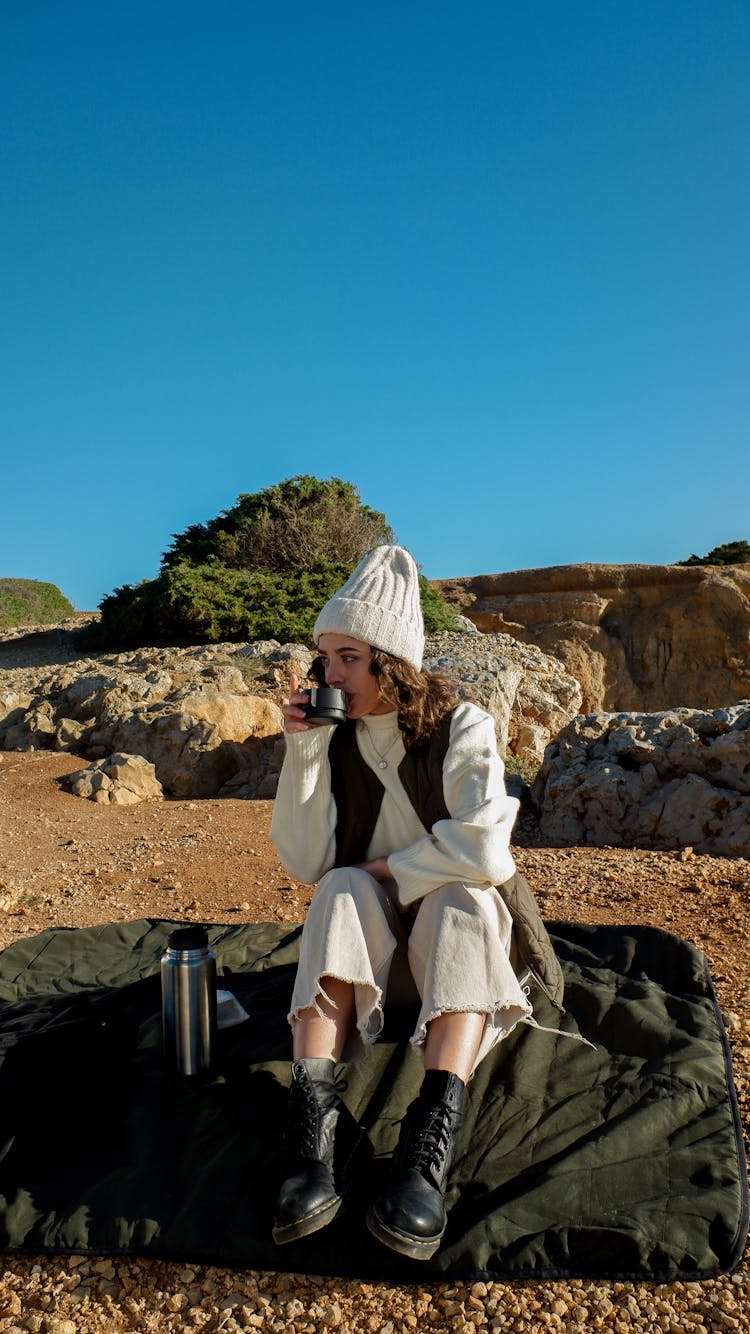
[{"x": 402, "y": 811}]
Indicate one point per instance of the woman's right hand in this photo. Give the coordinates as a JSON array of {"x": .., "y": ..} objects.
[{"x": 294, "y": 714}]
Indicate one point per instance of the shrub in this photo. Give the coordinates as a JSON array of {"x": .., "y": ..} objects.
[
  {"x": 730, "y": 553},
  {"x": 294, "y": 525},
  {"x": 261, "y": 570},
  {"x": 31, "y": 602},
  {"x": 438, "y": 614}
]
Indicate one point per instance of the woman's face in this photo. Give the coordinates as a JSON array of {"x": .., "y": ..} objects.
[{"x": 347, "y": 667}]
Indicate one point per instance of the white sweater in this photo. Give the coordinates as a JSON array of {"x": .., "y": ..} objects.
[{"x": 472, "y": 847}]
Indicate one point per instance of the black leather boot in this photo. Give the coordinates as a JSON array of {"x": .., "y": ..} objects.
[
  {"x": 308, "y": 1199},
  {"x": 410, "y": 1216}
]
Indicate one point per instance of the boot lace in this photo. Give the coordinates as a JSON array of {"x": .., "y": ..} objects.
[
  {"x": 428, "y": 1142},
  {"x": 304, "y": 1114},
  {"x": 302, "y": 1125}
]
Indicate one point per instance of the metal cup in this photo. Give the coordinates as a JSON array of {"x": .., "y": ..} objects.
[{"x": 326, "y": 706}]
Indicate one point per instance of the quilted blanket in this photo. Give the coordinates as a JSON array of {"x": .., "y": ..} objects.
[{"x": 623, "y": 1159}]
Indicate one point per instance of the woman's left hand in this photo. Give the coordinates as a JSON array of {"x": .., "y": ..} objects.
[{"x": 378, "y": 868}]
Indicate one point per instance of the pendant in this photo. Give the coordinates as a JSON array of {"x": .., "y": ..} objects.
[{"x": 383, "y": 764}]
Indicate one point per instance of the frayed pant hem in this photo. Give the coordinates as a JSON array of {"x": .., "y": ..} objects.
[
  {"x": 557, "y": 1032},
  {"x": 419, "y": 1036},
  {"x": 369, "y": 1022}
]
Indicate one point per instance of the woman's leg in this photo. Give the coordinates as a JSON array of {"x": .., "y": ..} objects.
[
  {"x": 345, "y": 954},
  {"x": 458, "y": 954},
  {"x": 460, "y": 951},
  {"x": 323, "y": 1029},
  {"x": 343, "y": 968},
  {"x": 453, "y": 1041}
]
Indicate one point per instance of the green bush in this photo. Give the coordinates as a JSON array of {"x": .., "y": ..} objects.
[
  {"x": 261, "y": 570},
  {"x": 730, "y": 553},
  {"x": 438, "y": 614},
  {"x": 31, "y": 602},
  {"x": 294, "y": 525}
]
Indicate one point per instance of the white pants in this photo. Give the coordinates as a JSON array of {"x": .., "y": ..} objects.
[{"x": 453, "y": 955}]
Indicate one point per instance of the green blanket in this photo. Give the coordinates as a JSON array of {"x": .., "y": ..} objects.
[{"x": 625, "y": 1160}]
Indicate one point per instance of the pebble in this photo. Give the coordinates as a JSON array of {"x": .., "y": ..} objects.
[{"x": 181, "y": 1297}]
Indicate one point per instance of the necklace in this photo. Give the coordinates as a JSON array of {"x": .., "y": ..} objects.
[{"x": 382, "y": 761}]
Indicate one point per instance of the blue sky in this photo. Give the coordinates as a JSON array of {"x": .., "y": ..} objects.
[{"x": 489, "y": 262}]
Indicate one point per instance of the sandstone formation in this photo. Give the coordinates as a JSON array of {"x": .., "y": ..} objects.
[
  {"x": 674, "y": 779},
  {"x": 120, "y": 780},
  {"x": 636, "y": 637}
]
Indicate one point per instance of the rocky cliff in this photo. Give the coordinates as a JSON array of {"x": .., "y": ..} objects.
[{"x": 636, "y": 637}]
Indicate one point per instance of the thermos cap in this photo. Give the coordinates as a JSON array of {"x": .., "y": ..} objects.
[{"x": 188, "y": 938}]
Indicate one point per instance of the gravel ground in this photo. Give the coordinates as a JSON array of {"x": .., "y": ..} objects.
[{"x": 64, "y": 861}]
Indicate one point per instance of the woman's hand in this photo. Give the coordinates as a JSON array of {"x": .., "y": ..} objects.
[
  {"x": 378, "y": 868},
  {"x": 294, "y": 713}
]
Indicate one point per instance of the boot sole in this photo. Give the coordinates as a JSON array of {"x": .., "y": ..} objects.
[
  {"x": 302, "y": 1227},
  {"x": 416, "y": 1248}
]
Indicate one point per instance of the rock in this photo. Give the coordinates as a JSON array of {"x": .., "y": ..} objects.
[
  {"x": 275, "y": 666},
  {"x": 258, "y": 774},
  {"x": 676, "y": 779},
  {"x": 236, "y": 717},
  {"x": 33, "y": 729},
  {"x": 189, "y": 756},
  {"x": 186, "y": 710},
  {"x": 528, "y": 693},
  {"x": 121, "y": 780},
  {"x": 260, "y": 648},
  {"x": 13, "y": 706},
  {"x": 196, "y": 757},
  {"x": 69, "y": 734},
  {"x": 464, "y": 625},
  {"x": 199, "y": 717},
  {"x": 636, "y": 637}
]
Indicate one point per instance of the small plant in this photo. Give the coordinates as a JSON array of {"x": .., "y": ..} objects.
[
  {"x": 250, "y": 669},
  {"x": 526, "y": 769}
]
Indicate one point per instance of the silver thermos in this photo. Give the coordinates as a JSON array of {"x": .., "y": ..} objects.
[{"x": 188, "y": 997}]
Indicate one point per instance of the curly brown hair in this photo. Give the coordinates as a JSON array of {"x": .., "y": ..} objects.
[{"x": 421, "y": 698}]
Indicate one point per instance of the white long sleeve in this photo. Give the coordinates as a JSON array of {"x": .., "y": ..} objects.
[
  {"x": 473, "y": 846},
  {"x": 303, "y": 824}
]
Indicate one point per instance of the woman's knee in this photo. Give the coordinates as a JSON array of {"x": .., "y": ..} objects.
[
  {"x": 351, "y": 882},
  {"x": 453, "y": 896}
]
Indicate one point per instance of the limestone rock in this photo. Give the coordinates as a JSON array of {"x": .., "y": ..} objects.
[
  {"x": 29, "y": 729},
  {"x": 186, "y": 710},
  {"x": 13, "y": 705},
  {"x": 236, "y": 717},
  {"x": 69, "y": 734},
  {"x": 120, "y": 780},
  {"x": 679, "y": 778},
  {"x": 208, "y": 717},
  {"x": 194, "y": 755},
  {"x": 275, "y": 664},
  {"x": 636, "y": 637},
  {"x": 464, "y": 625},
  {"x": 528, "y": 693}
]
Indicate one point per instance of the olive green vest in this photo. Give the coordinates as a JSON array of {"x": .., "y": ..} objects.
[{"x": 358, "y": 793}]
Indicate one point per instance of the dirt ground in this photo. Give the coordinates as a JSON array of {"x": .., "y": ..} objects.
[{"x": 65, "y": 861}]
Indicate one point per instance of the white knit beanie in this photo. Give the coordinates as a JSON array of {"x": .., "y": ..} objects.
[{"x": 379, "y": 604}]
